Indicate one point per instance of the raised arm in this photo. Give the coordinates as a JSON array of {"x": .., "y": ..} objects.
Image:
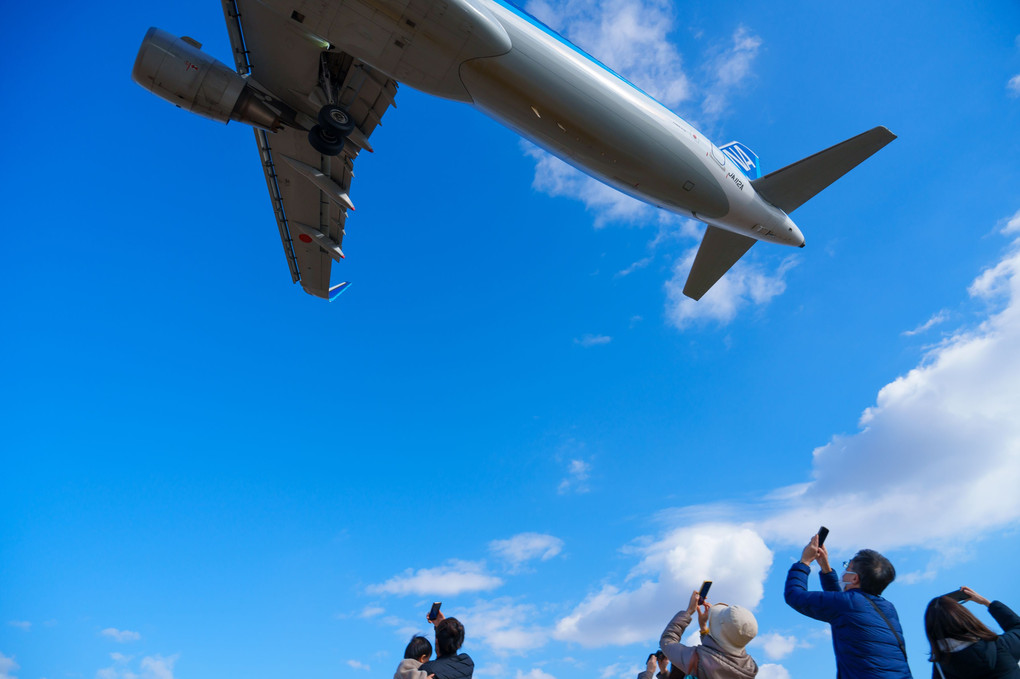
[{"x": 669, "y": 642}]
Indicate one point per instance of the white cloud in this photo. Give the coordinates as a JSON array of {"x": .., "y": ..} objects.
[
  {"x": 21, "y": 624},
  {"x": 121, "y": 636},
  {"x": 769, "y": 671},
  {"x": 455, "y": 577},
  {"x": 639, "y": 264},
  {"x": 730, "y": 70},
  {"x": 775, "y": 645},
  {"x": 356, "y": 665},
  {"x": 578, "y": 472},
  {"x": 525, "y": 547},
  {"x": 1013, "y": 86},
  {"x": 935, "y": 463},
  {"x": 589, "y": 340},
  {"x": 8, "y": 667},
  {"x": 734, "y": 557},
  {"x": 618, "y": 671},
  {"x": 158, "y": 667},
  {"x": 940, "y": 317},
  {"x": 1012, "y": 225},
  {"x": 745, "y": 284},
  {"x": 503, "y": 625},
  {"x": 535, "y": 673},
  {"x": 372, "y": 611},
  {"x": 150, "y": 667}
]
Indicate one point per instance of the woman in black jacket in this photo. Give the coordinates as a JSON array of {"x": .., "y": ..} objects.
[{"x": 963, "y": 648}]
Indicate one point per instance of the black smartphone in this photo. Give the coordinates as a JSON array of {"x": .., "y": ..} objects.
[
  {"x": 659, "y": 655},
  {"x": 958, "y": 595},
  {"x": 823, "y": 533},
  {"x": 434, "y": 611},
  {"x": 705, "y": 586}
]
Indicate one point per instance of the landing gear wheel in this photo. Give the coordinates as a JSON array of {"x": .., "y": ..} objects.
[
  {"x": 325, "y": 142},
  {"x": 336, "y": 119}
]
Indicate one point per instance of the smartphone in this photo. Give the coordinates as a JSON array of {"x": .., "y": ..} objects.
[
  {"x": 434, "y": 611},
  {"x": 958, "y": 595},
  {"x": 659, "y": 655},
  {"x": 705, "y": 586},
  {"x": 823, "y": 533}
]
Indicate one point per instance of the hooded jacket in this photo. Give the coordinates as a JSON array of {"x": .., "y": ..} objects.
[
  {"x": 409, "y": 669},
  {"x": 987, "y": 659},
  {"x": 450, "y": 667},
  {"x": 712, "y": 662},
  {"x": 865, "y": 647}
]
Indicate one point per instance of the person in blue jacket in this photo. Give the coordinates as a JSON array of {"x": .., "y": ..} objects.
[{"x": 866, "y": 633}]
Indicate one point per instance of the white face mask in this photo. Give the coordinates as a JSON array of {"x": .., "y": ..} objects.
[{"x": 843, "y": 581}]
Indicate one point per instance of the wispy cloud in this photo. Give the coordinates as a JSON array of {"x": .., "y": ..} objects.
[
  {"x": 20, "y": 624},
  {"x": 640, "y": 264},
  {"x": 358, "y": 665},
  {"x": 576, "y": 480},
  {"x": 940, "y": 317},
  {"x": 121, "y": 636},
  {"x": 149, "y": 667},
  {"x": 454, "y": 577},
  {"x": 505, "y": 626},
  {"x": 525, "y": 547},
  {"x": 1012, "y": 225},
  {"x": 8, "y": 667},
  {"x": 534, "y": 673},
  {"x": 744, "y": 285},
  {"x": 1013, "y": 86},
  {"x": 372, "y": 611},
  {"x": 589, "y": 340},
  {"x": 730, "y": 70}
]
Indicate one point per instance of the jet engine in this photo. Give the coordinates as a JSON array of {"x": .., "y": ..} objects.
[{"x": 176, "y": 69}]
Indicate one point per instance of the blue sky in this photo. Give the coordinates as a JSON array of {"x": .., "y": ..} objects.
[{"x": 208, "y": 473}]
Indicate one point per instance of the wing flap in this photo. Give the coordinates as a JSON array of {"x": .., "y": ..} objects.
[
  {"x": 792, "y": 186},
  {"x": 719, "y": 251}
]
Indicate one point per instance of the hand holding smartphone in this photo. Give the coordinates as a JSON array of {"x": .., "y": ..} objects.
[
  {"x": 705, "y": 586},
  {"x": 823, "y": 533},
  {"x": 434, "y": 611}
]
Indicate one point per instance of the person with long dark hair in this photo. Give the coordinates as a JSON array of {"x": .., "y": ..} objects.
[{"x": 962, "y": 647}]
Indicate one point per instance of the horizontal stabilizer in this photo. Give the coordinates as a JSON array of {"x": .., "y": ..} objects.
[
  {"x": 338, "y": 289},
  {"x": 795, "y": 184},
  {"x": 720, "y": 250}
]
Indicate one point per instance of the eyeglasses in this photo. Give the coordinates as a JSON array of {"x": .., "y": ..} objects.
[{"x": 846, "y": 566}]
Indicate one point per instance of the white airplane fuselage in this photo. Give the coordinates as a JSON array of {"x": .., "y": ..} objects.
[{"x": 496, "y": 57}]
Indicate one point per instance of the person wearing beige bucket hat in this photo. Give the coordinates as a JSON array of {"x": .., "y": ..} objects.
[{"x": 725, "y": 632}]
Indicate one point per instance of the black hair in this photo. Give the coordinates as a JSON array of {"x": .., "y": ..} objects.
[
  {"x": 417, "y": 647},
  {"x": 449, "y": 636},
  {"x": 874, "y": 570}
]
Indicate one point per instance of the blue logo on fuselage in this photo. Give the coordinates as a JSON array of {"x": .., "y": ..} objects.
[{"x": 744, "y": 158}]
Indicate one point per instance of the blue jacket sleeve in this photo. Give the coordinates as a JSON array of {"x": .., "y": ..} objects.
[
  {"x": 830, "y": 581},
  {"x": 822, "y": 606}
]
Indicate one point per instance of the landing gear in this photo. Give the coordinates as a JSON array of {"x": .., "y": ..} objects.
[
  {"x": 336, "y": 119},
  {"x": 328, "y": 136},
  {"x": 325, "y": 141}
]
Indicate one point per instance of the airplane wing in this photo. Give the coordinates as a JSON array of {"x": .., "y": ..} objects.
[
  {"x": 309, "y": 191},
  {"x": 720, "y": 249}
]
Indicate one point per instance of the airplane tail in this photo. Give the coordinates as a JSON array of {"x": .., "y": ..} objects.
[
  {"x": 787, "y": 189},
  {"x": 794, "y": 185}
]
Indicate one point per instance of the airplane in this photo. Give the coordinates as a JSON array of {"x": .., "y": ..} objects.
[{"x": 314, "y": 78}]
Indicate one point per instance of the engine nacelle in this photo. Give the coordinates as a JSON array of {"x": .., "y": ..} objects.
[{"x": 176, "y": 69}]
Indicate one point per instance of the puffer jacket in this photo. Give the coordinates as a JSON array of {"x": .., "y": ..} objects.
[
  {"x": 865, "y": 647},
  {"x": 712, "y": 662},
  {"x": 450, "y": 667},
  {"x": 987, "y": 659}
]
